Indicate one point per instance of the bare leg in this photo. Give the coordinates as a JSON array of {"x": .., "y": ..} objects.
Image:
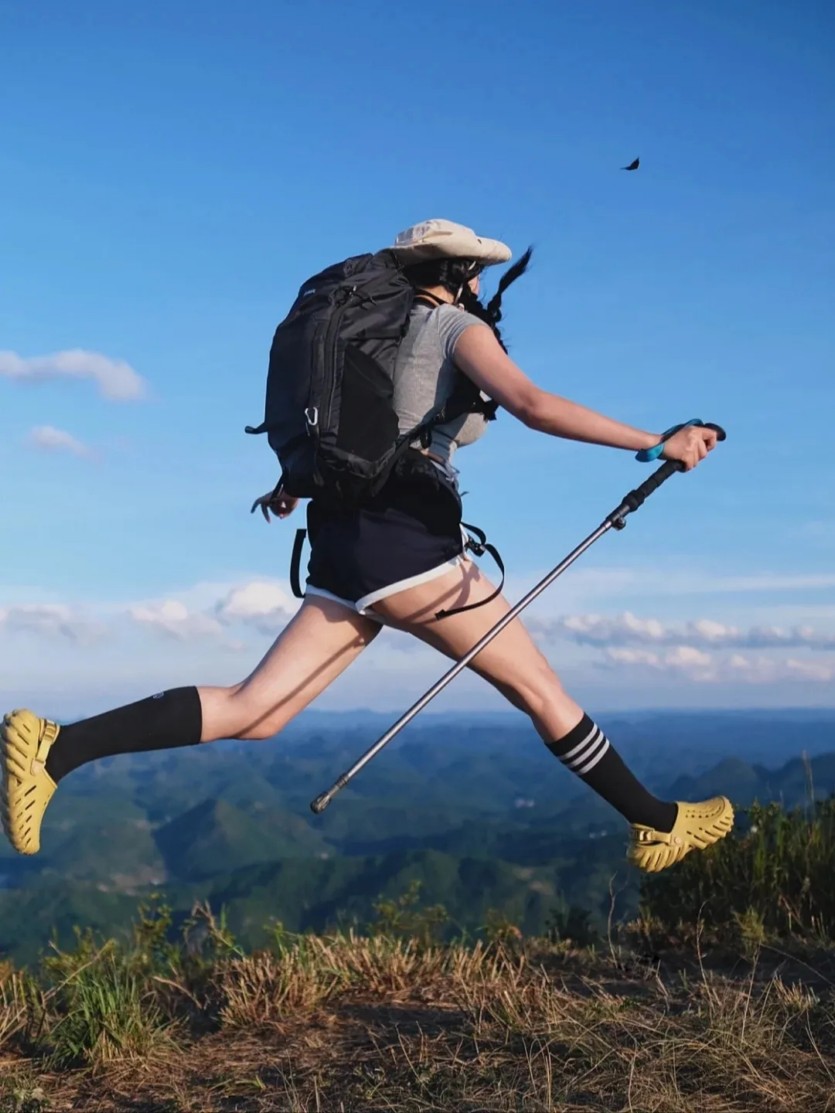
[
  {"x": 511, "y": 662},
  {"x": 318, "y": 644},
  {"x": 515, "y": 667}
]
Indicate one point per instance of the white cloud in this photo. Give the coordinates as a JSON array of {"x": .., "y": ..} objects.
[
  {"x": 737, "y": 661},
  {"x": 768, "y": 670},
  {"x": 629, "y": 629},
  {"x": 652, "y": 661},
  {"x": 50, "y": 439},
  {"x": 51, "y": 620},
  {"x": 709, "y": 630},
  {"x": 634, "y": 657},
  {"x": 702, "y": 667},
  {"x": 173, "y": 618},
  {"x": 259, "y": 604},
  {"x": 683, "y": 659},
  {"x": 594, "y": 629},
  {"x": 114, "y": 378},
  {"x": 262, "y": 604},
  {"x": 686, "y": 657},
  {"x": 810, "y": 670}
]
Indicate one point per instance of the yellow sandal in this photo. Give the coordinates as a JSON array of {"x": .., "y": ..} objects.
[
  {"x": 27, "y": 788},
  {"x": 697, "y": 826}
]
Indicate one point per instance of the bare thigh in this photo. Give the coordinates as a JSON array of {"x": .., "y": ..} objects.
[
  {"x": 511, "y": 662},
  {"x": 321, "y": 640}
]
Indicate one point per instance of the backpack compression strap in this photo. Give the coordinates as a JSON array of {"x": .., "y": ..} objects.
[{"x": 295, "y": 563}]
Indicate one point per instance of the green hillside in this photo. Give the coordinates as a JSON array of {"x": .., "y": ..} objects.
[
  {"x": 217, "y": 837},
  {"x": 231, "y": 825}
]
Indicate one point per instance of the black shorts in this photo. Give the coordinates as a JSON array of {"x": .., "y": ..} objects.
[{"x": 407, "y": 534}]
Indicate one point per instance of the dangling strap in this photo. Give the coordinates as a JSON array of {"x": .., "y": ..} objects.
[
  {"x": 479, "y": 547},
  {"x": 295, "y": 563}
]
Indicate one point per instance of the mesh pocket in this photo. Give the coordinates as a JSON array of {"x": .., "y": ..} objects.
[{"x": 367, "y": 421}]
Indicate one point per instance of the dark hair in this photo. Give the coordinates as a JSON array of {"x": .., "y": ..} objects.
[{"x": 454, "y": 275}]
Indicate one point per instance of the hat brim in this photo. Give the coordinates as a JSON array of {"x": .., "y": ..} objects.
[{"x": 487, "y": 252}]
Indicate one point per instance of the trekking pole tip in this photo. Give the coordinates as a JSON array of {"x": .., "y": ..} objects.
[{"x": 318, "y": 805}]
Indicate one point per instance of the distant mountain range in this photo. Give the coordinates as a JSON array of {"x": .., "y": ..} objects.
[{"x": 477, "y": 811}]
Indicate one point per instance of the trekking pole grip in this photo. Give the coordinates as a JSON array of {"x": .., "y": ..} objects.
[{"x": 638, "y": 497}]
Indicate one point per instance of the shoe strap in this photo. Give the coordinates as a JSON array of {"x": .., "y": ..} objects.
[
  {"x": 649, "y": 836},
  {"x": 49, "y": 732}
]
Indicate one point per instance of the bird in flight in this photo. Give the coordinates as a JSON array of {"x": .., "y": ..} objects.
[{"x": 632, "y": 165}]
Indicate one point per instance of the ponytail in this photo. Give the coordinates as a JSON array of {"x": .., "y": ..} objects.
[{"x": 491, "y": 314}]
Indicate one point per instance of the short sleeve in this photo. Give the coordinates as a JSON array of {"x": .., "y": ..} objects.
[{"x": 451, "y": 323}]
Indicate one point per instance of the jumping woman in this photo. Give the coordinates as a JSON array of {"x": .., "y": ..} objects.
[{"x": 398, "y": 560}]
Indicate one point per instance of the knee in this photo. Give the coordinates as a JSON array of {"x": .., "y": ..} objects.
[
  {"x": 260, "y": 731},
  {"x": 239, "y": 714},
  {"x": 256, "y": 722},
  {"x": 536, "y": 686}
]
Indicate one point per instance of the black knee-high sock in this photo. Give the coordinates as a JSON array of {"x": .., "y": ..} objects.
[
  {"x": 587, "y": 752},
  {"x": 169, "y": 719}
]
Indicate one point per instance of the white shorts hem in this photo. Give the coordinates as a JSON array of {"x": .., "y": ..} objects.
[
  {"x": 367, "y": 601},
  {"x": 361, "y": 606}
]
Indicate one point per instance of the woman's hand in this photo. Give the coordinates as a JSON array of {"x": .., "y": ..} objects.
[
  {"x": 276, "y": 502},
  {"x": 690, "y": 445}
]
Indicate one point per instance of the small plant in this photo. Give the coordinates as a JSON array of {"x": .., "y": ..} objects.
[
  {"x": 498, "y": 928},
  {"x": 100, "y": 1008},
  {"x": 772, "y": 880},
  {"x": 403, "y": 917},
  {"x": 570, "y": 924},
  {"x": 152, "y": 947},
  {"x": 751, "y": 930},
  {"x": 22, "y": 1093},
  {"x": 264, "y": 988}
]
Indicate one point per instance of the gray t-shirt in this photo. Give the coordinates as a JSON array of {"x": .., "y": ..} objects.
[{"x": 425, "y": 376}]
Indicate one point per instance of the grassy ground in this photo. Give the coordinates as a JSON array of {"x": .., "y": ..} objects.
[
  {"x": 721, "y": 999},
  {"x": 380, "y": 1023}
]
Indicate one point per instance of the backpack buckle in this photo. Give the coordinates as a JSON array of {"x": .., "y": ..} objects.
[{"x": 311, "y": 416}]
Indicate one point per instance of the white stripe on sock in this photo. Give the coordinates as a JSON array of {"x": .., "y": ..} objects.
[
  {"x": 577, "y": 751},
  {"x": 591, "y": 749},
  {"x": 587, "y": 768}
]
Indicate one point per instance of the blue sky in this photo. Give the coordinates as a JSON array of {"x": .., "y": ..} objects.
[{"x": 170, "y": 174}]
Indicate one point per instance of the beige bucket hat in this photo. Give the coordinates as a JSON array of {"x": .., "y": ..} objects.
[{"x": 443, "y": 239}]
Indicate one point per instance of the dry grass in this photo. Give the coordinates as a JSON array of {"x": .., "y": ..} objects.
[
  {"x": 266, "y": 988},
  {"x": 14, "y": 1006},
  {"x": 354, "y": 1023}
]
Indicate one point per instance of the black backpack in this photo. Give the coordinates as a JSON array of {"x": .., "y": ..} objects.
[{"x": 329, "y": 412}]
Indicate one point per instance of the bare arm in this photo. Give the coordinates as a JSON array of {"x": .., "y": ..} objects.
[{"x": 482, "y": 359}]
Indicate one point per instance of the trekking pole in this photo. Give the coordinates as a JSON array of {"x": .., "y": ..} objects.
[{"x": 616, "y": 520}]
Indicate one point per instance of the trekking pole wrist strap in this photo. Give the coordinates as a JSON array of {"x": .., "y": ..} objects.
[{"x": 647, "y": 455}]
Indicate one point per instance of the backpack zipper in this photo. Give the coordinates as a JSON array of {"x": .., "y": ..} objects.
[{"x": 333, "y": 323}]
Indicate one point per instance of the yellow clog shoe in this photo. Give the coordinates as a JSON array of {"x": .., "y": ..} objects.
[
  {"x": 27, "y": 788},
  {"x": 697, "y": 826}
]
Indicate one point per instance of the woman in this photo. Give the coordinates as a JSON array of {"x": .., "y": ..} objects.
[{"x": 398, "y": 561}]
